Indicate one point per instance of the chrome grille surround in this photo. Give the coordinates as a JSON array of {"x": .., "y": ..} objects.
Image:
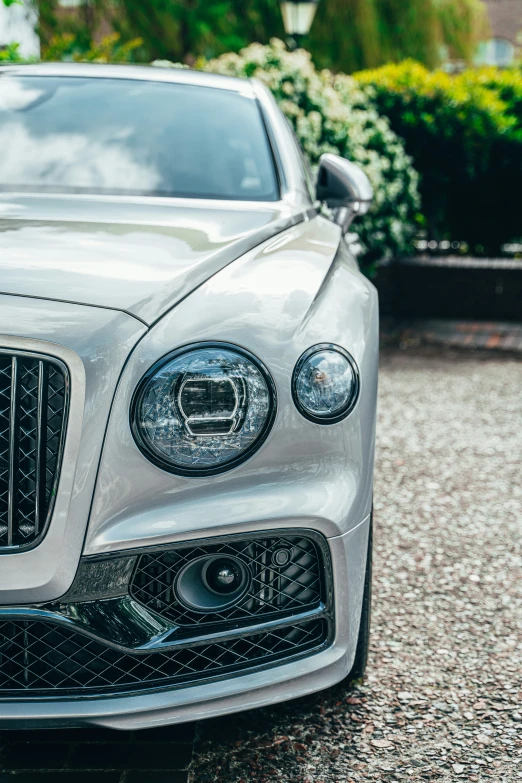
[
  {"x": 46, "y": 659},
  {"x": 303, "y": 584},
  {"x": 34, "y": 401}
]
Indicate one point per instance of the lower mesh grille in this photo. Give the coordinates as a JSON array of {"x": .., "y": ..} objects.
[
  {"x": 297, "y": 586},
  {"x": 43, "y": 657}
]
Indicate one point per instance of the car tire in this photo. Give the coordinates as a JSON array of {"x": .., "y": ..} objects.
[{"x": 363, "y": 639}]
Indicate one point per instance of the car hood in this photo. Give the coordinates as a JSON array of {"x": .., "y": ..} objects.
[{"x": 141, "y": 256}]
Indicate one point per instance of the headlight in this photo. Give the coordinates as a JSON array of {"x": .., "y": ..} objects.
[
  {"x": 325, "y": 383},
  {"x": 203, "y": 409}
]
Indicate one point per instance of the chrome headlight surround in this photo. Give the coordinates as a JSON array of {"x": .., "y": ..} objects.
[
  {"x": 341, "y": 412},
  {"x": 191, "y": 423}
]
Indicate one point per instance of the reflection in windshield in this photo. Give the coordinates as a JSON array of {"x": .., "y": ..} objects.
[
  {"x": 92, "y": 135},
  {"x": 70, "y": 160},
  {"x": 14, "y": 95}
]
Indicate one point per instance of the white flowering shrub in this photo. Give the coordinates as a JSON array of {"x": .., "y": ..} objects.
[{"x": 330, "y": 113}]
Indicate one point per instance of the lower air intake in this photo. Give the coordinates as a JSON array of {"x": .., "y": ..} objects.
[
  {"x": 38, "y": 657},
  {"x": 289, "y": 575}
]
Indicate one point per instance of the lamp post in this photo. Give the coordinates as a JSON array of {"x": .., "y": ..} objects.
[{"x": 298, "y": 16}]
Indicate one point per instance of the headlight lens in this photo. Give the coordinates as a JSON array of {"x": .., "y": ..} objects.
[
  {"x": 203, "y": 409},
  {"x": 325, "y": 383}
]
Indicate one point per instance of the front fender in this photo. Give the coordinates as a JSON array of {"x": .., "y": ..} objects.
[{"x": 291, "y": 292}]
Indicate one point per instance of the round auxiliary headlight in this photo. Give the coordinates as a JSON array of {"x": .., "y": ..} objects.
[
  {"x": 325, "y": 384},
  {"x": 203, "y": 409},
  {"x": 212, "y": 583}
]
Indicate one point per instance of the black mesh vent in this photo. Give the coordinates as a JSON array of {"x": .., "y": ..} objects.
[
  {"x": 33, "y": 403},
  {"x": 292, "y": 588},
  {"x": 37, "y": 656}
]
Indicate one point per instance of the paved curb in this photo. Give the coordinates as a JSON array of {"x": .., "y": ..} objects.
[
  {"x": 158, "y": 755},
  {"x": 490, "y": 336}
]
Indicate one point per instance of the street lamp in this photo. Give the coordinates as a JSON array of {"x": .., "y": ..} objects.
[{"x": 298, "y": 16}]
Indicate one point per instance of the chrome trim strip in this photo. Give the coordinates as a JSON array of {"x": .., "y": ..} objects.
[
  {"x": 132, "y": 73},
  {"x": 12, "y": 464},
  {"x": 38, "y": 476},
  {"x": 277, "y": 532},
  {"x": 239, "y": 633},
  {"x": 133, "y": 612}
]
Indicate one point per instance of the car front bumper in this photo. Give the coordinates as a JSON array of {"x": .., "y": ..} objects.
[{"x": 228, "y": 694}]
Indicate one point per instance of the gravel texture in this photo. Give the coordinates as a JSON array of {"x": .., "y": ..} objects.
[{"x": 442, "y": 699}]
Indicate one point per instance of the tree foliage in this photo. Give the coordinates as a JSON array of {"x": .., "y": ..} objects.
[
  {"x": 11, "y": 54},
  {"x": 352, "y": 34},
  {"x": 347, "y": 35},
  {"x": 109, "y": 50},
  {"x": 173, "y": 29},
  {"x": 186, "y": 29}
]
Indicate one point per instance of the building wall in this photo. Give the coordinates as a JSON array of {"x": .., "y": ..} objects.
[
  {"x": 506, "y": 33},
  {"x": 506, "y": 19}
]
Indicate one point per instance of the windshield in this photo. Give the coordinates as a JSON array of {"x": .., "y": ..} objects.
[{"x": 124, "y": 137}]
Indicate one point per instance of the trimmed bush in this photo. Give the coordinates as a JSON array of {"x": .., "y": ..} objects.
[
  {"x": 506, "y": 83},
  {"x": 463, "y": 133},
  {"x": 11, "y": 54},
  {"x": 330, "y": 113}
]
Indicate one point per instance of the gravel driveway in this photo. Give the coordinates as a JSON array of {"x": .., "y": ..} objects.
[{"x": 442, "y": 699}]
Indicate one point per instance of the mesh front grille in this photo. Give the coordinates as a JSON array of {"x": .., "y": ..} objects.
[
  {"x": 37, "y": 656},
  {"x": 293, "y": 588},
  {"x": 33, "y": 402}
]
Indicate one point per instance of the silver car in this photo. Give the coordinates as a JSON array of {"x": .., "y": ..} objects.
[{"x": 188, "y": 374}]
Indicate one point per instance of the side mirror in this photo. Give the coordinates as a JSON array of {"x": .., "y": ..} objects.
[{"x": 344, "y": 187}]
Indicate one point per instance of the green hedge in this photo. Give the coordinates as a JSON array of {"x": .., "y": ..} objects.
[
  {"x": 506, "y": 83},
  {"x": 464, "y": 134},
  {"x": 11, "y": 54}
]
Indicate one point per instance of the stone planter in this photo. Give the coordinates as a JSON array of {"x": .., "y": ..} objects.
[{"x": 453, "y": 287}]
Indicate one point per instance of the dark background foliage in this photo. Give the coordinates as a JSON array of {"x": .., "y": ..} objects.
[
  {"x": 465, "y": 137},
  {"x": 346, "y": 34}
]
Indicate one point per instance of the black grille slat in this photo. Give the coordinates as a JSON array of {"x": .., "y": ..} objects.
[
  {"x": 294, "y": 588},
  {"x": 33, "y": 417},
  {"x": 43, "y": 657}
]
